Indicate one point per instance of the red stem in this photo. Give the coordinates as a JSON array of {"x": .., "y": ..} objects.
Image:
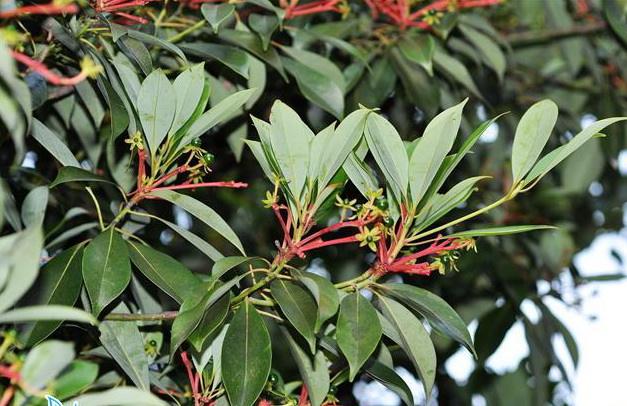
[
  {"x": 42, "y": 9},
  {"x": 46, "y": 73},
  {"x": 320, "y": 243},
  {"x": 228, "y": 184}
]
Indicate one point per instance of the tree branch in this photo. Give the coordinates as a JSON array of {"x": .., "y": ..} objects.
[
  {"x": 537, "y": 37},
  {"x": 142, "y": 317}
]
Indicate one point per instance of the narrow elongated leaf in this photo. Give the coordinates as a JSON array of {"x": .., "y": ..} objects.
[
  {"x": 47, "y": 313},
  {"x": 438, "y": 313},
  {"x": 264, "y": 25},
  {"x": 436, "y": 142},
  {"x": 419, "y": 49},
  {"x": 391, "y": 380},
  {"x": 59, "y": 283},
  {"x": 486, "y": 232},
  {"x": 44, "y": 362},
  {"x": 415, "y": 340},
  {"x": 188, "y": 88},
  {"x": 216, "y": 14},
  {"x": 211, "y": 322},
  {"x": 72, "y": 174},
  {"x": 232, "y": 57},
  {"x": 314, "y": 371},
  {"x": 290, "y": 138},
  {"x": 492, "y": 54},
  {"x": 53, "y": 144},
  {"x": 389, "y": 152},
  {"x": 358, "y": 331},
  {"x": 246, "y": 356},
  {"x": 156, "y": 112},
  {"x": 195, "y": 240},
  {"x": 203, "y": 213},
  {"x": 532, "y": 134},
  {"x": 299, "y": 308},
  {"x": 456, "y": 70},
  {"x": 324, "y": 292},
  {"x": 318, "y": 63},
  {"x": 120, "y": 396},
  {"x": 124, "y": 343},
  {"x": 75, "y": 377},
  {"x": 225, "y": 264},
  {"x": 164, "y": 271},
  {"x": 252, "y": 43},
  {"x": 361, "y": 175},
  {"x": 553, "y": 158},
  {"x": 34, "y": 207},
  {"x": 106, "y": 269},
  {"x": 216, "y": 115}
]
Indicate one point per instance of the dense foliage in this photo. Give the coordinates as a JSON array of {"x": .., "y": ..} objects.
[{"x": 371, "y": 214}]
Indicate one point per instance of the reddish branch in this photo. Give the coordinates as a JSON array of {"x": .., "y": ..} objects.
[
  {"x": 47, "y": 74},
  {"x": 40, "y": 9},
  {"x": 294, "y": 9},
  {"x": 407, "y": 263}
]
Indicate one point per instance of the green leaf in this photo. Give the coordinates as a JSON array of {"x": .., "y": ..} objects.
[
  {"x": 264, "y": 25},
  {"x": 195, "y": 240},
  {"x": 299, "y": 308},
  {"x": 290, "y": 139},
  {"x": 490, "y": 51},
  {"x": 414, "y": 340},
  {"x": 532, "y": 134},
  {"x": 314, "y": 372},
  {"x": 106, "y": 269},
  {"x": 436, "y": 142},
  {"x": 164, "y": 271},
  {"x": 188, "y": 88},
  {"x": 155, "y": 111},
  {"x": 53, "y": 144},
  {"x": 492, "y": 329},
  {"x": 75, "y": 378},
  {"x": 203, "y": 213},
  {"x": 345, "y": 138},
  {"x": 252, "y": 44},
  {"x": 390, "y": 379},
  {"x": 419, "y": 88},
  {"x": 438, "y": 313},
  {"x": 44, "y": 362},
  {"x": 216, "y": 14},
  {"x": 324, "y": 292},
  {"x": 358, "y": 331},
  {"x": 319, "y": 64},
  {"x": 211, "y": 322},
  {"x": 316, "y": 87},
  {"x": 124, "y": 343},
  {"x": 246, "y": 356},
  {"x": 361, "y": 175},
  {"x": 59, "y": 283},
  {"x": 616, "y": 17},
  {"x": 216, "y": 115},
  {"x": 34, "y": 207},
  {"x": 456, "y": 70},
  {"x": 233, "y": 58},
  {"x": 389, "y": 152},
  {"x": 72, "y": 174},
  {"x": 419, "y": 49},
  {"x": 120, "y": 396},
  {"x": 47, "y": 313},
  {"x": 225, "y": 264},
  {"x": 553, "y": 158},
  {"x": 506, "y": 230}
]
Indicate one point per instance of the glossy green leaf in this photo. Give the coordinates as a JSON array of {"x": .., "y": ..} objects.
[
  {"x": 492, "y": 54},
  {"x": 232, "y": 57},
  {"x": 361, "y": 175},
  {"x": 492, "y": 329},
  {"x": 44, "y": 362},
  {"x": 419, "y": 49},
  {"x": 53, "y": 144},
  {"x": 47, "y": 313},
  {"x": 506, "y": 230},
  {"x": 203, "y": 213},
  {"x": 120, "y": 396},
  {"x": 391, "y": 380},
  {"x": 388, "y": 150},
  {"x": 419, "y": 88},
  {"x": 414, "y": 340},
  {"x": 59, "y": 283},
  {"x": 324, "y": 292},
  {"x": 435, "y": 144},
  {"x": 532, "y": 134},
  {"x": 358, "y": 331},
  {"x": 155, "y": 111},
  {"x": 124, "y": 343},
  {"x": 299, "y": 308},
  {"x": 438, "y": 313},
  {"x": 553, "y": 158},
  {"x": 188, "y": 88},
  {"x": 225, "y": 264},
  {"x": 216, "y": 14},
  {"x": 34, "y": 207},
  {"x": 210, "y": 323},
  {"x": 252, "y": 44},
  {"x": 195, "y": 240},
  {"x": 314, "y": 371},
  {"x": 72, "y": 174},
  {"x": 75, "y": 378},
  {"x": 246, "y": 356},
  {"x": 456, "y": 70},
  {"x": 164, "y": 271},
  {"x": 319, "y": 64},
  {"x": 264, "y": 25},
  {"x": 106, "y": 269}
]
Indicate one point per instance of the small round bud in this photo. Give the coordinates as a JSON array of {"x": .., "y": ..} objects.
[
  {"x": 273, "y": 378},
  {"x": 208, "y": 158},
  {"x": 332, "y": 390},
  {"x": 388, "y": 222},
  {"x": 196, "y": 142},
  {"x": 381, "y": 203}
]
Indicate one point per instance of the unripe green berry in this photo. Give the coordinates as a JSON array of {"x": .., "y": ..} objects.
[
  {"x": 381, "y": 203},
  {"x": 388, "y": 222},
  {"x": 196, "y": 142},
  {"x": 208, "y": 158}
]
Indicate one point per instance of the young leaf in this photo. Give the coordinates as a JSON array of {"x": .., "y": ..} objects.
[
  {"x": 532, "y": 134},
  {"x": 246, "y": 356},
  {"x": 389, "y": 152},
  {"x": 290, "y": 138},
  {"x": 188, "y": 88},
  {"x": 438, "y": 313},
  {"x": 106, "y": 269},
  {"x": 156, "y": 112},
  {"x": 314, "y": 372},
  {"x": 506, "y": 230},
  {"x": 414, "y": 340},
  {"x": 202, "y": 212},
  {"x": 553, "y": 158},
  {"x": 59, "y": 283},
  {"x": 164, "y": 271},
  {"x": 358, "y": 331},
  {"x": 124, "y": 343},
  {"x": 299, "y": 308},
  {"x": 436, "y": 142}
]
